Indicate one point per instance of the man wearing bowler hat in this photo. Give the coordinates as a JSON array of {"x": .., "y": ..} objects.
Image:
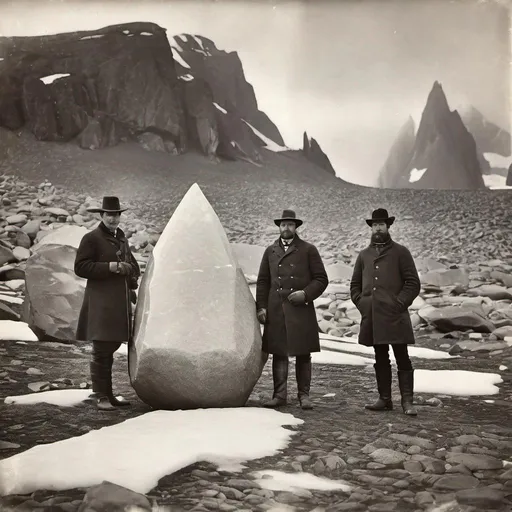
[
  {"x": 290, "y": 277},
  {"x": 384, "y": 284},
  {"x": 105, "y": 260}
]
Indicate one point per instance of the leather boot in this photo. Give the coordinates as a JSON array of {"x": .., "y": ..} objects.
[
  {"x": 303, "y": 375},
  {"x": 113, "y": 400},
  {"x": 280, "y": 377},
  {"x": 100, "y": 386},
  {"x": 383, "y": 377},
  {"x": 406, "y": 385}
]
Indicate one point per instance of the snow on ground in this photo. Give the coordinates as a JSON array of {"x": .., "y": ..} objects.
[
  {"x": 60, "y": 397},
  {"x": 291, "y": 482},
  {"x": 126, "y": 31},
  {"x": 166, "y": 441},
  {"x": 51, "y": 78},
  {"x": 11, "y": 330},
  {"x": 96, "y": 36},
  {"x": 1, "y": 58},
  {"x": 188, "y": 77},
  {"x": 269, "y": 144},
  {"x": 350, "y": 345},
  {"x": 416, "y": 175},
  {"x": 498, "y": 161},
  {"x": 223, "y": 110},
  {"x": 456, "y": 382},
  {"x": 325, "y": 357},
  {"x": 503, "y": 368},
  {"x": 183, "y": 37},
  {"x": 15, "y": 284},
  {"x": 146, "y": 34},
  {"x": 495, "y": 181},
  {"x": 178, "y": 58},
  {"x": 10, "y": 298}
]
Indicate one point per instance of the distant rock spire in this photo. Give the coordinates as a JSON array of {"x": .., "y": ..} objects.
[{"x": 313, "y": 152}]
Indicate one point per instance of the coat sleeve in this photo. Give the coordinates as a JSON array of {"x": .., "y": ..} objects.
[
  {"x": 356, "y": 283},
  {"x": 410, "y": 278},
  {"x": 319, "y": 279},
  {"x": 263, "y": 283},
  {"x": 86, "y": 265}
]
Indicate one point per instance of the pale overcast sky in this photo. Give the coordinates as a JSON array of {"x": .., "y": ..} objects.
[{"x": 348, "y": 72}]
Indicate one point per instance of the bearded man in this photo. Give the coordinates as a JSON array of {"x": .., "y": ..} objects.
[
  {"x": 290, "y": 278},
  {"x": 384, "y": 284},
  {"x": 104, "y": 258}
]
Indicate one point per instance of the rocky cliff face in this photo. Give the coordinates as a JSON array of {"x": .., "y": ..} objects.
[
  {"x": 392, "y": 173},
  {"x": 509, "y": 177},
  {"x": 313, "y": 152},
  {"x": 489, "y": 137},
  {"x": 444, "y": 154},
  {"x": 126, "y": 82}
]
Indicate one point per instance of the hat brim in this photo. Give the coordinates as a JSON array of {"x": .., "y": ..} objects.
[
  {"x": 101, "y": 210},
  {"x": 298, "y": 222},
  {"x": 388, "y": 221}
]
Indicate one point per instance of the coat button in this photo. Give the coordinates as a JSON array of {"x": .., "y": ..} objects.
[
  {"x": 376, "y": 266},
  {"x": 376, "y": 277},
  {"x": 291, "y": 289},
  {"x": 374, "y": 288},
  {"x": 291, "y": 277}
]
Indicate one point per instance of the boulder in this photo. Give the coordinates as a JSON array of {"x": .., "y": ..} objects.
[
  {"x": 110, "y": 497},
  {"x": 493, "y": 291},
  {"x": 65, "y": 235},
  {"x": 445, "y": 277},
  {"x": 197, "y": 341},
  {"x": 53, "y": 293},
  {"x": 455, "y": 318}
]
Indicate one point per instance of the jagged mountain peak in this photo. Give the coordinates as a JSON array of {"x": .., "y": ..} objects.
[
  {"x": 314, "y": 153},
  {"x": 443, "y": 155}
]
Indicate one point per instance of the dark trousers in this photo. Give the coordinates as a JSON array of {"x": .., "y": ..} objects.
[
  {"x": 302, "y": 374},
  {"x": 101, "y": 366},
  {"x": 403, "y": 362}
]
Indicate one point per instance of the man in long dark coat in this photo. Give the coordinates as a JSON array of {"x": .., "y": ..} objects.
[
  {"x": 104, "y": 258},
  {"x": 384, "y": 284},
  {"x": 291, "y": 276}
]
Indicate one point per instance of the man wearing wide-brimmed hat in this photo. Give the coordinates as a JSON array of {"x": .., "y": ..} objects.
[
  {"x": 104, "y": 258},
  {"x": 384, "y": 284},
  {"x": 291, "y": 276}
]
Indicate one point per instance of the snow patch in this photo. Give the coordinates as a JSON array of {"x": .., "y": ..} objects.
[
  {"x": 178, "y": 58},
  {"x": 146, "y": 34},
  {"x": 269, "y": 144},
  {"x": 187, "y": 77},
  {"x": 19, "y": 331},
  {"x": 51, "y": 78},
  {"x": 174, "y": 44},
  {"x": 456, "y": 382},
  {"x": 498, "y": 161},
  {"x": 96, "y": 36},
  {"x": 11, "y": 299},
  {"x": 495, "y": 181},
  {"x": 223, "y": 110},
  {"x": 1, "y": 58},
  {"x": 503, "y": 368},
  {"x": 291, "y": 482},
  {"x": 126, "y": 31},
  {"x": 131, "y": 35},
  {"x": 340, "y": 358},
  {"x": 169, "y": 440},
  {"x": 416, "y": 175},
  {"x": 183, "y": 37},
  {"x": 199, "y": 42},
  {"x": 60, "y": 397}
]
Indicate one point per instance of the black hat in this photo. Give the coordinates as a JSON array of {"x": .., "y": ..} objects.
[
  {"x": 380, "y": 215},
  {"x": 288, "y": 215},
  {"x": 110, "y": 205}
]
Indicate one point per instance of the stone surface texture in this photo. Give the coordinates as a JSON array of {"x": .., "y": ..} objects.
[{"x": 179, "y": 360}]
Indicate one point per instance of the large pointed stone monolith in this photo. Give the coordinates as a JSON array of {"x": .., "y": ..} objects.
[{"x": 197, "y": 341}]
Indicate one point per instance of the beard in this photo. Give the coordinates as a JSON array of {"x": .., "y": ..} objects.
[
  {"x": 286, "y": 234},
  {"x": 380, "y": 238}
]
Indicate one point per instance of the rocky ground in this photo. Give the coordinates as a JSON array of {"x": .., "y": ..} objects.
[
  {"x": 448, "y": 458},
  {"x": 451, "y": 453}
]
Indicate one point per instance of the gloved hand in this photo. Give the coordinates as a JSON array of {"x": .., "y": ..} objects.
[
  {"x": 297, "y": 298},
  {"x": 125, "y": 269},
  {"x": 262, "y": 315}
]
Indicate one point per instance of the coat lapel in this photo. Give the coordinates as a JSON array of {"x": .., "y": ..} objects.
[
  {"x": 383, "y": 251},
  {"x": 291, "y": 249}
]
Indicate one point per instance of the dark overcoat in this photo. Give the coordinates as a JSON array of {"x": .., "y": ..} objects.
[
  {"x": 383, "y": 286},
  {"x": 106, "y": 313},
  {"x": 290, "y": 330}
]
